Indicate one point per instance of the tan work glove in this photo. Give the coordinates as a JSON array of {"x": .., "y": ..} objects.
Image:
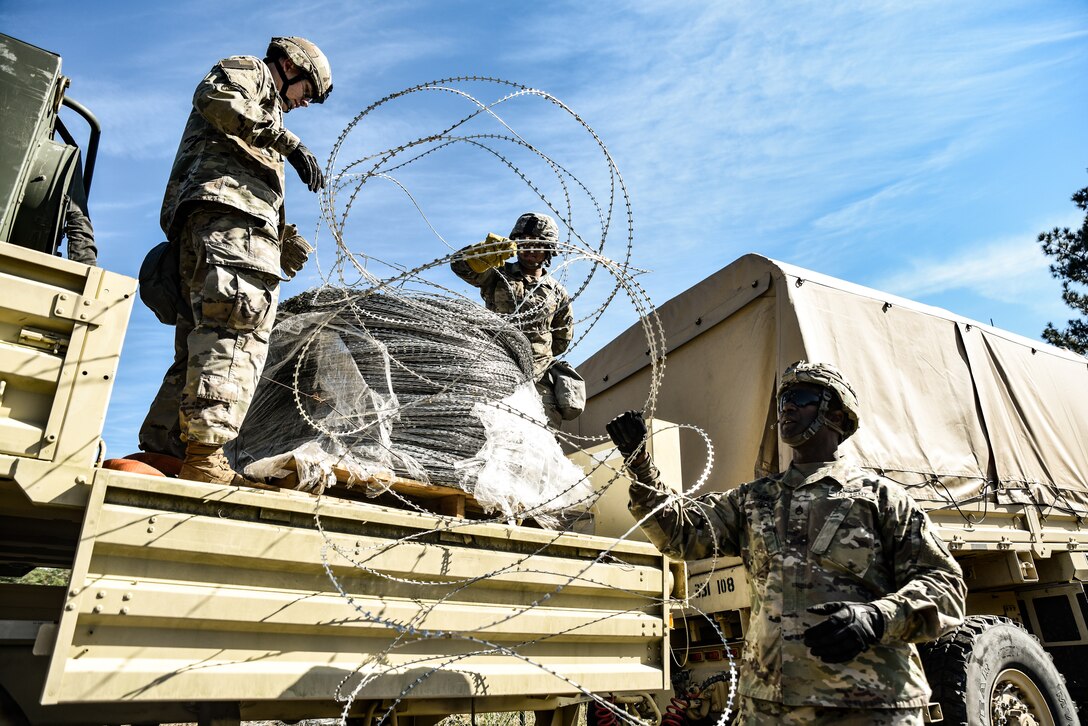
[
  {"x": 294, "y": 250},
  {"x": 492, "y": 252}
]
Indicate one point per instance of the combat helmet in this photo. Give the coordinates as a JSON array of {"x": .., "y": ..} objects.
[
  {"x": 539, "y": 228},
  {"x": 309, "y": 59},
  {"x": 834, "y": 384}
]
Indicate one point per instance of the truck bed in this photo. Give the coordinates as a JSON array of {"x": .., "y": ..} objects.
[{"x": 186, "y": 592}]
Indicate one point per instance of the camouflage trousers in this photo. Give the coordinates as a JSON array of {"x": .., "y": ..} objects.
[
  {"x": 547, "y": 398},
  {"x": 757, "y": 712},
  {"x": 218, "y": 358}
]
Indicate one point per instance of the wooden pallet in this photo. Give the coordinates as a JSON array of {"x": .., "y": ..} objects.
[{"x": 436, "y": 498}]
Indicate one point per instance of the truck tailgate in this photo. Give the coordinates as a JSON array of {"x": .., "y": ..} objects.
[{"x": 184, "y": 591}]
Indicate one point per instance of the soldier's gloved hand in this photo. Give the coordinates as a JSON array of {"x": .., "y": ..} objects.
[
  {"x": 294, "y": 250},
  {"x": 850, "y": 629},
  {"x": 492, "y": 252},
  {"x": 305, "y": 163},
  {"x": 628, "y": 431}
]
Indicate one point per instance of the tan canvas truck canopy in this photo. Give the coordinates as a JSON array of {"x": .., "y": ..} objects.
[{"x": 950, "y": 407}]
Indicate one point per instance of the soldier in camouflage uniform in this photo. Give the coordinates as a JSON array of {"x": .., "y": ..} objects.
[
  {"x": 77, "y": 222},
  {"x": 536, "y": 302},
  {"x": 223, "y": 208},
  {"x": 845, "y": 570}
]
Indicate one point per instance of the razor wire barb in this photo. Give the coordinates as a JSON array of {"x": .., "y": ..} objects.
[{"x": 354, "y": 296}]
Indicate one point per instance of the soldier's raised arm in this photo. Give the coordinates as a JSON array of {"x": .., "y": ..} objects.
[{"x": 687, "y": 529}]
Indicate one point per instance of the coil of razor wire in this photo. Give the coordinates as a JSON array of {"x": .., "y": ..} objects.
[
  {"x": 427, "y": 353},
  {"x": 438, "y": 355}
]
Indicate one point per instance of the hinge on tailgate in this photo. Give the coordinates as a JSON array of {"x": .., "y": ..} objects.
[
  {"x": 75, "y": 307},
  {"x": 678, "y": 570},
  {"x": 43, "y": 340}
]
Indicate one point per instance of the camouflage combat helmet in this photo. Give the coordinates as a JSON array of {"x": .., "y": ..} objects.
[
  {"x": 537, "y": 227},
  {"x": 831, "y": 380},
  {"x": 309, "y": 59}
]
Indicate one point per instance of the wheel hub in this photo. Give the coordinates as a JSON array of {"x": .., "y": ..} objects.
[{"x": 1016, "y": 701}]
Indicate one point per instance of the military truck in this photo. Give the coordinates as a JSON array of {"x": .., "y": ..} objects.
[
  {"x": 988, "y": 431},
  {"x": 216, "y": 604}
]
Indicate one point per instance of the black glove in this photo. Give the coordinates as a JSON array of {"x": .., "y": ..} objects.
[
  {"x": 628, "y": 431},
  {"x": 851, "y": 628},
  {"x": 306, "y": 165}
]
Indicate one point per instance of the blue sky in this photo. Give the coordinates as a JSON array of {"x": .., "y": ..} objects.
[{"x": 914, "y": 147}]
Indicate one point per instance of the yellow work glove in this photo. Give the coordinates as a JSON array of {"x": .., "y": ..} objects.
[
  {"x": 492, "y": 252},
  {"x": 294, "y": 250}
]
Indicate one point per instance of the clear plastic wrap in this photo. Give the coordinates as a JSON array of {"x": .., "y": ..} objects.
[
  {"x": 521, "y": 470},
  {"x": 365, "y": 387}
]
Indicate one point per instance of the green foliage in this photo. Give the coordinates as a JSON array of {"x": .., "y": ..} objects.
[
  {"x": 509, "y": 718},
  {"x": 40, "y": 576},
  {"x": 1070, "y": 251}
]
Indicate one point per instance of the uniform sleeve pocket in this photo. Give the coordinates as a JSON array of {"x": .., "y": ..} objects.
[
  {"x": 241, "y": 74},
  {"x": 762, "y": 548},
  {"x": 927, "y": 549}
]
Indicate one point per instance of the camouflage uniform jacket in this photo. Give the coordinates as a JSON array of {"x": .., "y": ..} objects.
[
  {"x": 541, "y": 307},
  {"x": 232, "y": 153},
  {"x": 838, "y": 534}
]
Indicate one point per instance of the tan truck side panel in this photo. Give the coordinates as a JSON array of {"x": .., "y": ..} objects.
[
  {"x": 61, "y": 328},
  {"x": 195, "y": 592}
]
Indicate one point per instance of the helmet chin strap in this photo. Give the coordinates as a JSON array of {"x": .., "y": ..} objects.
[
  {"x": 819, "y": 422},
  {"x": 285, "y": 82}
]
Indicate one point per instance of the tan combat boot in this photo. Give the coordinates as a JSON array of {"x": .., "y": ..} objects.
[{"x": 208, "y": 463}]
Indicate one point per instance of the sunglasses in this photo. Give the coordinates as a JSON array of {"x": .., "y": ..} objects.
[
  {"x": 310, "y": 92},
  {"x": 799, "y": 397}
]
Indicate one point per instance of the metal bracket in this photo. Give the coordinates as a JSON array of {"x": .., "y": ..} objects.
[{"x": 71, "y": 306}]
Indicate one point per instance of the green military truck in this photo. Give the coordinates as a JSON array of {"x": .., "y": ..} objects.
[
  {"x": 202, "y": 603},
  {"x": 988, "y": 431}
]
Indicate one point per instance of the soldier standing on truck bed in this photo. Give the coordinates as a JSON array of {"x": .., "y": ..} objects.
[
  {"x": 845, "y": 570},
  {"x": 77, "y": 228},
  {"x": 223, "y": 214},
  {"x": 523, "y": 288}
]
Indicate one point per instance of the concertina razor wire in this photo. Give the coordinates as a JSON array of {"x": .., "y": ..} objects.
[{"x": 377, "y": 377}]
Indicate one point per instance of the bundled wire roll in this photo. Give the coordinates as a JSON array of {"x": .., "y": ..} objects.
[{"x": 375, "y": 382}]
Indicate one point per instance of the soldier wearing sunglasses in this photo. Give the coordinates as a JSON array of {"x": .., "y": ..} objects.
[
  {"x": 845, "y": 570},
  {"x": 228, "y": 241}
]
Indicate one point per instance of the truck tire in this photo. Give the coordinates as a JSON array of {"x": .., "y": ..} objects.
[
  {"x": 10, "y": 712},
  {"x": 991, "y": 671}
]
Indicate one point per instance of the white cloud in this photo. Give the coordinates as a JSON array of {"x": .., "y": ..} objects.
[
  {"x": 836, "y": 115},
  {"x": 1011, "y": 270}
]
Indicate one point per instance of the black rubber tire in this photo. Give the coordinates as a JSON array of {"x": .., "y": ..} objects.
[
  {"x": 963, "y": 665},
  {"x": 10, "y": 712}
]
